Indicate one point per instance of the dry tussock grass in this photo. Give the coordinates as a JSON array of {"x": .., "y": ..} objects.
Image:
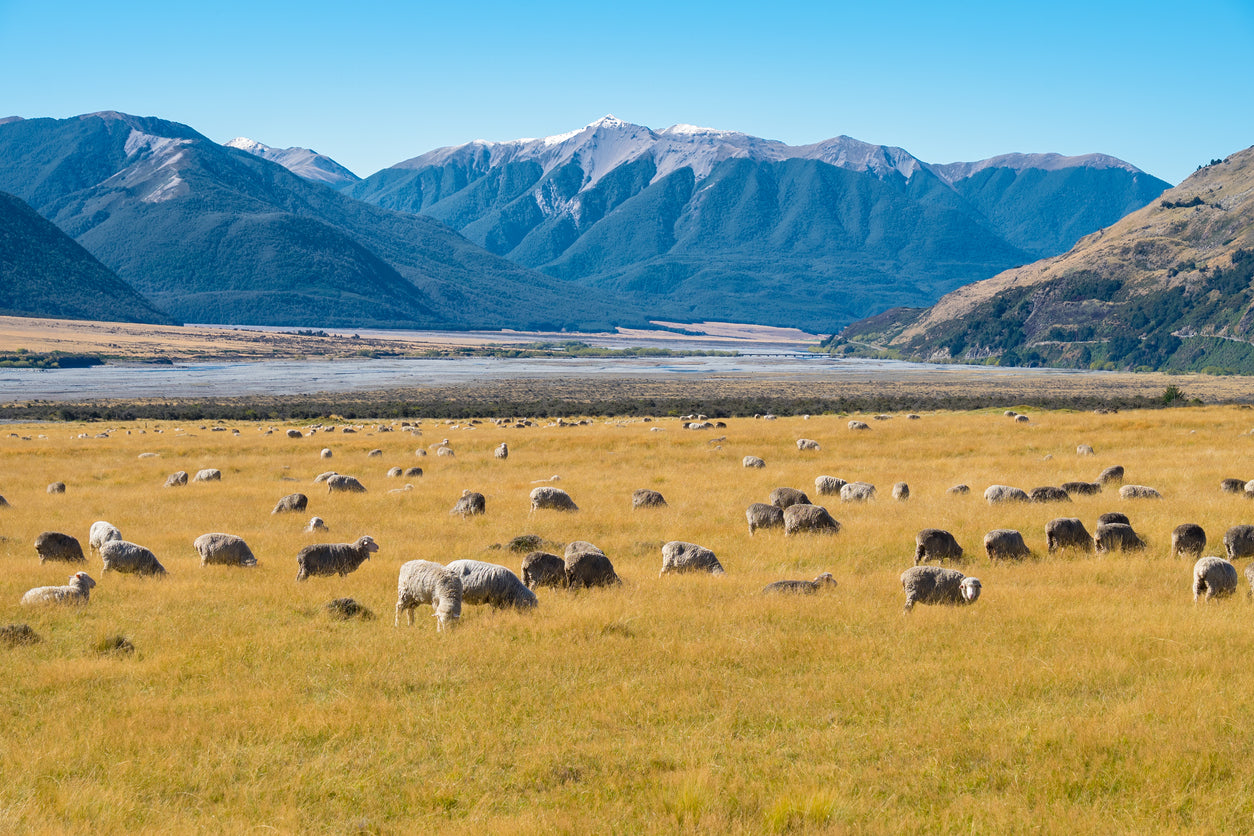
[{"x": 1080, "y": 693}]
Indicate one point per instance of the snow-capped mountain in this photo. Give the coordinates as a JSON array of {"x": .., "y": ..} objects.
[{"x": 300, "y": 161}]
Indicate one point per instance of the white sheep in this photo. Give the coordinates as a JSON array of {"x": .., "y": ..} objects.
[
  {"x": 316, "y": 524},
  {"x": 339, "y": 483},
  {"x": 937, "y": 585},
  {"x": 334, "y": 558},
  {"x": 101, "y": 532},
  {"x": 1214, "y": 577},
  {"x": 488, "y": 583},
  {"x": 809, "y": 519},
  {"x": 223, "y": 550},
  {"x": 209, "y": 474},
  {"x": 554, "y": 499},
  {"x": 425, "y": 582},
  {"x": 76, "y": 592},
  {"x": 177, "y": 479},
  {"x": 749, "y": 461},
  {"x": 678, "y": 556},
  {"x": 901, "y": 491},
  {"x": 293, "y": 502},
  {"x": 501, "y": 452},
  {"x": 1138, "y": 492},
  {"x": 807, "y": 444},
  {"x": 1004, "y": 493},
  {"x": 828, "y": 485},
  {"x": 470, "y": 504},
  {"x": 1005, "y": 544},
  {"x": 783, "y": 497},
  {"x": 857, "y": 492},
  {"x": 129, "y": 559},
  {"x": 761, "y": 515}
]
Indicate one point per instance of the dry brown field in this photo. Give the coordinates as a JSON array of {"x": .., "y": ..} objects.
[{"x": 1080, "y": 693}]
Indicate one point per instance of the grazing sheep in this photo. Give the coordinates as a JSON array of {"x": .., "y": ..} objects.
[
  {"x": 857, "y": 492},
  {"x": 129, "y": 559},
  {"x": 295, "y": 434},
  {"x": 322, "y": 477},
  {"x": 859, "y": 425},
  {"x": 783, "y": 497},
  {"x": 959, "y": 490},
  {"x": 1111, "y": 475},
  {"x": 425, "y": 582},
  {"x": 292, "y": 502},
  {"x": 576, "y": 546},
  {"x": 53, "y": 545},
  {"x": 394, "y": 472},
  {"x": 1239, "y": 541},
  {"x": 56, "y": 487},
  {"x": 177, "y": 479},
  {"x": 77, "y": 591},
  {"x": 1215, "y": 577},
  {"x": 935, "y": 544},
  {"x": 1233, "y": 485},
  {"x": 816, "y": 519},
  {"x": 502, "y": 452},
  {"x": 1005, "y": 544},
  {"x": 1048, "y": 494},
  {"x": 1022, "y": 419},
  {"x": 1067, "y": 533},
  {"x": 678, "y": 556},
  {"x": 223, "y": 550},
  {"x": 444, "y": 451},
  {"x": 807, "y": 444},
  {"x": 645, "y": 498},
  {"x": 823, "y": 581},
  {"x": 326, "y": 453},
  {"x": 316, "y": 524},
  {"x": 374, "y": 454},
  {"x": 937, "y": 585},
  {"x": 761, "y": 515},
  {"x": 334, "y": 558},
  {"x": 828, "y": 485},
  {"x": 488, "y": 583},
  {"x": 1116, "y": 537},
  {"x": 1138, "y": 492},
  {"x": 1083, "y": 450},
  {"x": 750, "y": 461},
  {"x": 589, "y": 569},
  {"x": 470, "y": 504},
  {"x": 209, "y": 474},
  {"x": 412, "y": 471},
  {"x": 339, "y": 483},
  {"x": 1004, "y": 493},
  {"x": 553, "y": 499},
  {"x": 1188, "y": 539},
  {"x": 543, "y": 569},
  {"x": 1082, "y": 488},
  {"x": 1114, "y": 517},
  {"x": 901, "y": 491},
  {"x": 101, "y": 532}
]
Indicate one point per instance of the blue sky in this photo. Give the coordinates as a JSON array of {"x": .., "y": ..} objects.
[{"x": 1164, "y": 85}]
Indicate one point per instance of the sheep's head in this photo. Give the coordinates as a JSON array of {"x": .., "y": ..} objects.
[
  {"x": 82, "y": 580},
  {"x": 825, "y": 579},
  {"x": 368, "y": 544},
  {"x": 970, "y": 588}
]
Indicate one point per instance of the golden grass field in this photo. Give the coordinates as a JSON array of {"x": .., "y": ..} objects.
[{"x": 1080, "y": 694}]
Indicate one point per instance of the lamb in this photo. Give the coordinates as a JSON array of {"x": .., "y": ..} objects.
[
  {"x": 1215, "y": 577},
  {"x": 101, "y": 532},
  {"x": 994, "y": 494},
  {"x": 129, "y": 559},
  {"x": 901, "y": 491},
  {"x": 809, "y": 518},
  {"x": 1233, "y": 485},
  {"x": 501, "y": 452},
  {"x": 177, "y": 479},
  {"x": 857, "y": 492},
  {"x": 470, "y": 504},
  {"x": 935, "y": 544},
  {"x": 783, "y": 497},
  {"x": 77, "y": 591},
  {"x": 828, "y": 485},
  {"x": 1049, "y": 494},
  {"x": 553, "y": 499},
  {"x": 488, "y": 583},
  {"x": 292, "y": 502},
  {"x": 1067, "y": 533},
  {"x": 761, "y": 515},
  {"x": 425, "y": 582},
  {"x": 1138, "y": 492},
  {"x": 543, "y": 569},
  {"x": 1239, "y": 541},
  {"x": 750, "y": 461},
  {"x": 1116, "y": 537},
  {"x": 1082, "y": 488},
  {"x": 807, "y": 444},
  {"x": 589, "y": 569},
  {"x": 1188, "y": 539},
  {"x": 645, "y": 498},
  {"x": 209, "y": 474},
  {"x": 678, "y": 556},
  {"x": 316, "y": 524},
  {"x": 1114, "y": 517},
  {"x": 1005, "y": 544},
  {"x": 53, "y": 545},
  {"x": 223, "y": 550},
  {"x": 1111, "y": 475},
  {"x": 334, "y": 558},
  {"x": 937, "y": 585},
  {"x": 339, "y": 483},
  {"x": 823, "y": 581}
]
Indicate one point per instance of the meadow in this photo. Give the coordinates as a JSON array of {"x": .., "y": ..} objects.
[{"x": 1081, "y": 693}]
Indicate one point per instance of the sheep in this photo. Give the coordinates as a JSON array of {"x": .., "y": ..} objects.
[
  {"x": 1188, "y": 539},
  {"x": 444, "y": 451},
  {"x": 1116, "y": 537},
  {"x": 295, "y": 434},
  {"x": 56, "y": 487},
  {"x": 543, "y": 569},
  {"x": 53, "y": 545},
  {"x": 678, "y": 556},
  {"x": 488, "y": 583},
  {"x": 589, "y": 569},
  {"x": 425, "y": 582},
  {"x": 761, "y": 515},
  {"x": 901, "y": 491},
  {"x": 857, "y": 492},
  {"x": 1138, "y": 492},
  {"x": 1111, "y": 475},
  {"x": 807, "y": 444},
  {"x": 809, "y": 518},
  {"x": 1005, "y": 544},
  {"x": 1083, "y": 450},
  {"x": 129, "y": 559},
  {"x": 1215, "y": 577},
  {"x": 823, "y": 581},
  {"x": 293, "y": 502},
  {"x": 334, "y": 558},
  {"x": 470, "y": 504},
  {"x": 859, "y": 425},
  {"x": 394, "y": 472},
  {"x": 1239, "y": 541},
  {"x": 410, "y": 472},
  {"x": 959, "y": 490},
  {"x": 177, "y": 479},
  {"x": 937, "y": 585},
  {"x": 1233, "y": 485},
  {"x": 77, "y": 591},
  {"x": 783, "y": 497},
  {"x": 553, "y": 499},
  {"x": 828, "y": 485},
  {"x": 322, "y": 477},
  {"x": 316, "y": 524},
  {"x": 1114, "y": 517},
  {"x": 645, "y": 498},
  {"x": 1067, "y": 533},
  {"x": 1022, "y": 419},
  {"x": 576, "y": 546},
  {"x": 501, "y": 452},
  {"x": 405, "y": 489},
  {"x": 326, "y": 453},
  {"x": 935, "y": 544},
  {"x": 223, "y": 550},
  {"x": 994, "y": 494},
  {"x": 1082, "y": 488},
  {"x": 209, "y": 474},
  {"x": 339, "y": 483},
  {"x": 750, "y": 461},
  {"x": 101, "y": 532},
  {"x": 1048, "y": 494}
]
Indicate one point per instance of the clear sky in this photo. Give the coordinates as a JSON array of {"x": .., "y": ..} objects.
[{"x": 1164, "y": 85}]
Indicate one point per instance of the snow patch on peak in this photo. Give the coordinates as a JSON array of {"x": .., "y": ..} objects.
[
  {"x": 252, "y": 146},
  {"x": 953, "y": 172},
  {"x": 138, "y": 141},
  {"x": 300, "y": 161}
]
